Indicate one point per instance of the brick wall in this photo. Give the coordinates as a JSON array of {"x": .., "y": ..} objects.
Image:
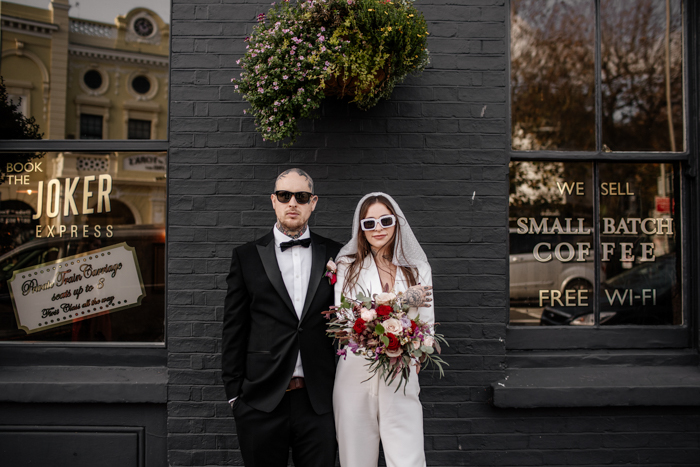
[{"x": 437, "y": 143}]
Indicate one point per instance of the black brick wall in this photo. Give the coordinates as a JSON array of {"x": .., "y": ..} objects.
[{"x": 441, "y": 138}]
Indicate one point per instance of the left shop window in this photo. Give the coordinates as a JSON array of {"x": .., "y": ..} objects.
[{"x": 82, "y": 247}]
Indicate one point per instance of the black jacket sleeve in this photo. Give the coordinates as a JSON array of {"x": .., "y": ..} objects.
[{"x": 236, "y": 329}]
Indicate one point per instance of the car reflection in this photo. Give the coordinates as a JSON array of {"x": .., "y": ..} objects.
[
  {"x": 144, "y": 323},
  {"x": 528, "y": 275},
  {"x": 644, "y": 295}
]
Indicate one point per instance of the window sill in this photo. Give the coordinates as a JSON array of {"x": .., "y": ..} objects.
[
  {"x": 83, "y": 384},
  {"x": 598, "y": 386}
]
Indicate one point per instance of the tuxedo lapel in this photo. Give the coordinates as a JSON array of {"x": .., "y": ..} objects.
[
  {"x": 272, "y": 269},
  {"x": 318, "y": 262}
]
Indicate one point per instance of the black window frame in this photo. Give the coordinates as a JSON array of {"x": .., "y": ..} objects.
[{"x": 593, "y": 338}]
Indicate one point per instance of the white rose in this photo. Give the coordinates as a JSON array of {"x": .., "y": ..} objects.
[
  {"x": 331, "y": 266},
  {"x": 367, "y": 315},
  {"x": 384, "y": 298},
  {"x": 416, "y": 345},
  {"x": 393, "y": 326},
  {"x": 429, "y": 341}
]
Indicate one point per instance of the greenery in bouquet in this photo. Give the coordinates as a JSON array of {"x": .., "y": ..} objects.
[
  {"x": 300, "y": 53},
  {"x": 381, "y": 330}
]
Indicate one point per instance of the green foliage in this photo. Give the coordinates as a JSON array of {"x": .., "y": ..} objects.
[
  {"x": 298, "y": 52},
  {"x": 14, "y": 125},
  {"x": 385, "y": 41}
]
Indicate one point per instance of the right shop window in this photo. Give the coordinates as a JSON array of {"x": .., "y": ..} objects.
[{"x": 595, "y": 244}]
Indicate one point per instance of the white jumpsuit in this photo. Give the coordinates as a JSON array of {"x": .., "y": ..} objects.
[{"x": 370, "y": 410}]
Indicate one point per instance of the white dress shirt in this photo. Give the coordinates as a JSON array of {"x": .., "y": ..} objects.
[{"x": 295, "y": 266}]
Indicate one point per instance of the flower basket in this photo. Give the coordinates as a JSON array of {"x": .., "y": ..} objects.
[
  {"x": 340, "y": 86},
  {"x": 301, "y": 53}
]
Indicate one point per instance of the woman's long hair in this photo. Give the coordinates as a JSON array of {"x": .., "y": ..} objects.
[{"x": 364, "y": 248}]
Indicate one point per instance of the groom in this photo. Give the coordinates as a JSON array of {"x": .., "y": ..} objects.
[{"x": 278, "y": 364}]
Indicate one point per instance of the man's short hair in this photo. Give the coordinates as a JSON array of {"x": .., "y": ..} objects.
[{"x": 298, "y": 172}]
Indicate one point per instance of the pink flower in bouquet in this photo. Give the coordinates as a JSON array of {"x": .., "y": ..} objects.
[
  {"x": 429, "y": 341},
  {"x": 416, "y": 344},
  {"x": 392, "y": 326},
  {"x": 367, "y": 315}
]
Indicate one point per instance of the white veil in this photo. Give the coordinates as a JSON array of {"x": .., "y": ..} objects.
[{"x": 407, "y": 250}]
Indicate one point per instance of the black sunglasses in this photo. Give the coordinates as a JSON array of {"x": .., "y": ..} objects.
[{"x": 302, "y": 197}]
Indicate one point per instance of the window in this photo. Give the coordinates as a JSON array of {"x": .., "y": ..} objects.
[
  {"x": 556, "y": 241},
  {"x": 576, "y": 88},
  {"x": 598, "y": 110},
  {"x": 139, "y": 129},
  {"x": 83, "y": 220},
  {"x": 90, "y": 126},
  {"x": 116, "y": 58},
  {"x": 82, "y": 261}
]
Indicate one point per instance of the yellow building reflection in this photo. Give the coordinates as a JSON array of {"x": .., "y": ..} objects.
[{"x": 83, "y": 79}]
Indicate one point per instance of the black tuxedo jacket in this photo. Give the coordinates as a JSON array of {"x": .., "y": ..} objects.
[{"x": 262, "y": 334}]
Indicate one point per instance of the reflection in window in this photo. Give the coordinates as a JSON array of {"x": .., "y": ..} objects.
[
  {"x": 551, "y": 238},
  {"x": 640, "y": 244},
  {"x": 132, "y": 50},
  {"x": 642, "y": 75},
  {"x": 81, "y": 249},
  {"x": 553, "y": 245},
  {"x": 90, "y": 126},
  {"x": 552, "y": 75},
  {"x": 139, "y": 129},
  {"x": 554, "y": 82}
]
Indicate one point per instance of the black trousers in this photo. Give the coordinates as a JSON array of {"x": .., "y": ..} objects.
[{"x": 265, "y": 438}]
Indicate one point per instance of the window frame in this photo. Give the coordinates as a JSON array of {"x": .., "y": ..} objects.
[
  {"x": 598, "y": 337},
  {"x": 117, "y": 354}
]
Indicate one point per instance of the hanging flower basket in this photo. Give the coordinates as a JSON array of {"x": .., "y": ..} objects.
[
  {"x": 340, "y": 86},
  {"x": 301, "y": 53}
]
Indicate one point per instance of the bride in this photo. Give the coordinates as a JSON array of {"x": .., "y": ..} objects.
[{"x": 383, "y": 255}]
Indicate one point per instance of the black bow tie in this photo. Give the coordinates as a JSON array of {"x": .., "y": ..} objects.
[{"x": 303, "y": 242}]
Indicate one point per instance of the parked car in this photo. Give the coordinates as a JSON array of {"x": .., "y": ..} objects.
[
  {"x": 143, "y": 323},
  {"x": 528, "y": 275},
  {"x": 647, "y": 294}
]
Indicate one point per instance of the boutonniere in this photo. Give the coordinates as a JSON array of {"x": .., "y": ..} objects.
[{"x": 331, "y": 272}]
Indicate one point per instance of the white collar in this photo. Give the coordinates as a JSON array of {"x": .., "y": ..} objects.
[{"x": 281, "y": 237}]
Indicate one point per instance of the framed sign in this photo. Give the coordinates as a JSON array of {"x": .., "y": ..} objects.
[{"x": 76, "y": 288}]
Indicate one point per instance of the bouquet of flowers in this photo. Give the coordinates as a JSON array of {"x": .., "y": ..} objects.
[{"x": 379, "y": 329}]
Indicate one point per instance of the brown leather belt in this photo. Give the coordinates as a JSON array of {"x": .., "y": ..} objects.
[{"x": 296, "y": 383}]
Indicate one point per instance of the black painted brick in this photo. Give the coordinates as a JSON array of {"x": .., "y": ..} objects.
[{"x": 441, "y": 137}]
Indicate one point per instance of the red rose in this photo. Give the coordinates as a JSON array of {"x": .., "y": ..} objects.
[
  {"x": 359, "y": 326},
  {"x": 393, "y": 342},
  {"x": 333, "y": 279},
  {"x": 384, "y": 310},
  {"x": 414, "y": 326}
]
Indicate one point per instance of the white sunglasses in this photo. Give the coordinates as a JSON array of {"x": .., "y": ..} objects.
[{"x": 370, "y": 223}]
